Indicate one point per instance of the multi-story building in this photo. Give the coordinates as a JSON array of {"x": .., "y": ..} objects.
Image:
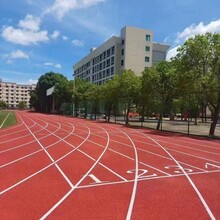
[
  {"x": 13, "y": 93},
  {"x": 134, "y": 50}
]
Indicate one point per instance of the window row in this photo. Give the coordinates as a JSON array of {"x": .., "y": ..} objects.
[
  {"x": 103, "y": 65},
  {"x": 104, "y": 55},
  {"x": 103, "y": 74}
]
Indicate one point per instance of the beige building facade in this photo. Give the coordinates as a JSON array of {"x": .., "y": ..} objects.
[
  {"x": 134, "y": 49},
  {"x": 13, "y": 93}
]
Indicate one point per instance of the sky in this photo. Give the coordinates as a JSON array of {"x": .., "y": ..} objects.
[{"x": 39, "y": 36}]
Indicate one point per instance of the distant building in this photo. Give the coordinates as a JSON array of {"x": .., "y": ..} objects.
[
  {"x": 13, "y": 93},
  {"x": 134, "y": 50}
]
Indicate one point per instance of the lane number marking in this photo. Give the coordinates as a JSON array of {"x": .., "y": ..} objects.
[
  {"x": 97, "y": 181},
  {"x": 178, "y": 169},
  {"x": 207, "y": 165},
  {"x": 141, "y": 173}
]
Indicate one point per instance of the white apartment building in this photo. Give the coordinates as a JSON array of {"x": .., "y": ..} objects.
[
  {"x": 134, "y": 49},
  {"x": 13, "y": 93}
]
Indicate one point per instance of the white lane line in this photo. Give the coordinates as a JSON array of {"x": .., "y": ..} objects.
[
  {"x": 131, "y": 205},
  {"x": 35, "y": 152},
  {"x": 13, "y": 148},
  {"x": 195, "y": 149},
  {"x": 183, "y": 142},
  {"x": 152, "y": 154},
  {"x": 189, "y": 179},
  {"x": 94, "y": 159},
  {"x": 45, "y": 168},
  {"x": 158, "y": 155},
  {"x": 203, "y": 158},
  {"x": 14, "y": 132},
  {"x": 103, "y": 165},
  {"x": 51, "y": 158},
  {"x": 5, "y": 120},
  {"x": 73, "y": 188}
]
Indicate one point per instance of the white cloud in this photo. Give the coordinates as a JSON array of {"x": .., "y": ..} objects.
[
  {"x": 61, "y": 7},
  {"x": 78, "y": 43},
  {"x": 55, "y": 34},
  {"x": 201, "y": 28},
  {"x": 27, "y": 34},
  {"x": 30, "y": 23},
  {"x": 48, "y": 64},
  {"x": 58, "y": 66},
  {"x": 191, "y": 31},
  {"x": 53, "y": 65},
  {"x": 65, "y": 37},
  {"x": 18, "y": 54},
  {"x": 31, "y": 81}
]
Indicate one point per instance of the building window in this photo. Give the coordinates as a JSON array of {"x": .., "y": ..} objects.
[
  {"x": 147, "y": 48},
  {"x": 122, "y": 62},
  {"x": 107, "y": 72},
  {"x": 112, "y": 70},
  {"x": 112, "y": 50},
  {"x": 122, "y": 52},
  {"x": 112, "y": 60},
  {"x": 108, "y": 53},
  {"x": 147, "y": 59},
  {"x": 108, "y": 63},
  {"x": 147, "y": 37},
  {"x": 123, "y": 42}
]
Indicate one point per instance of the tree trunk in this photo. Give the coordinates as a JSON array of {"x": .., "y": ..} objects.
[
  {"x": 109, "y": 113},
  {"x": 127, "y": 115},
  {"x": 215, "y": 118},
  {"x": 159, "y": 122}
]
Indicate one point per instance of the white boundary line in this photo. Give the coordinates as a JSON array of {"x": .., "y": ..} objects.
[{"x": 5, "y": 120}]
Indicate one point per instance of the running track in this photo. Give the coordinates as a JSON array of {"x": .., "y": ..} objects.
[{"x": 53, "y": 167}]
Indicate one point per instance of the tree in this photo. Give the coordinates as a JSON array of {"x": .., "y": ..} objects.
[
  {"x": 129, "y": 85},
  {"x": 166, "y": 86},
  {"x": 148, "y": 91},
  {"x": 81, "y": 94},
  {"x": 110, "y": 95},
  {"x": 198, "y": 62},
  {"x": 3, "y": 104},
  {"x": 61, "y": 92},
  {"x": 22, "y": 105}
]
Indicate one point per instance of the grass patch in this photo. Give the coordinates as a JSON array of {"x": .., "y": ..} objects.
[{"x": 11, "y": 119}]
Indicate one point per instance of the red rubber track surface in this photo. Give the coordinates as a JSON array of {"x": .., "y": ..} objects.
[{"x": 54, "y": 167}]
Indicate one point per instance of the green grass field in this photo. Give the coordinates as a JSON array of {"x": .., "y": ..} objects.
[{"x": 7, "y": 118}]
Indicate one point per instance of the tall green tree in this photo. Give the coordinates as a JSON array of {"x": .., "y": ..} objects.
[
  {"x": 148, "y": 91},
  {"x": 3, "y": 104},
  {"x": 46, "y": 81},
  {"x": 198, "y": 62},
  {"x": 110, "y": 95},
  {"x": 166, "y": 86},
  {"x": 81, "y": 95},
  {"x": 129, "y": 85}
]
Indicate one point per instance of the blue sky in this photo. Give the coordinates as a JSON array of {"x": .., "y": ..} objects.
[{"x": 38, "y": 36}]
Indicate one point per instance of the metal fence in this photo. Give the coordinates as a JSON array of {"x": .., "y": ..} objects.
[{"x": 187, "y": 114}]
